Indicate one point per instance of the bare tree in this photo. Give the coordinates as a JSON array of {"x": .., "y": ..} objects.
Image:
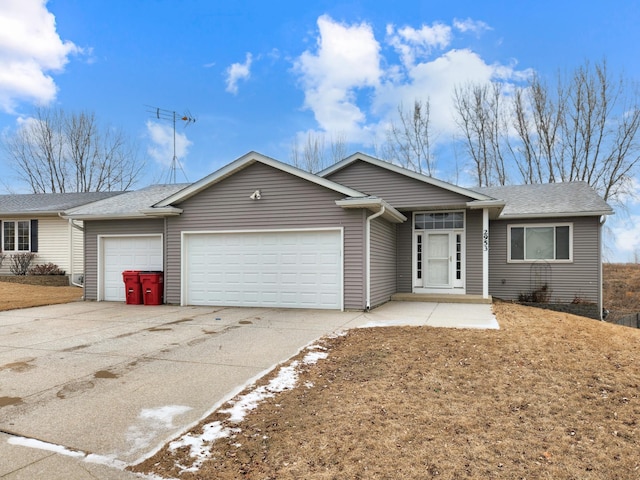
[
  {"x": 314, "y": 156},
  {"x": 409, "y": 143},
  {"x": 59, "y": 152},
  {"x": 481, "y": 119},
  {"x": 585, "y": 128}
]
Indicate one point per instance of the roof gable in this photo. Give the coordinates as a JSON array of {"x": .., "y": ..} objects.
[
  {"x": 245, "y": 161},
  {"x": 334, "y": 170}
]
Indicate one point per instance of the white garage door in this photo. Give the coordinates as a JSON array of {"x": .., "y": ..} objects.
[
  {"x": 127, "y": 253},
  {"x": 301, "y": 269}
]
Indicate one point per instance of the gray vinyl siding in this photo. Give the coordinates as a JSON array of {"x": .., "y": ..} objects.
[
  {"x": 404, "y": 255},
  {"x": 567, "y": 281},
  {"x": 383, "y": 261},
  {"x": 473, "y": 250},
  {"x": 93, "y": 228},
  {"x": 398, "y": 190},
  {"x": 288, "y": 202}
]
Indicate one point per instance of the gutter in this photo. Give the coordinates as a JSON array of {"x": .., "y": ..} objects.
[
  {"x": 73, "y": 225},
  {"x": 368, "y": 260}
]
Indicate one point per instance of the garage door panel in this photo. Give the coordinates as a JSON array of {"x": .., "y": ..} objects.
[
  {"x": 127, "y": 253},
  {"x": 288, "y": 269}
]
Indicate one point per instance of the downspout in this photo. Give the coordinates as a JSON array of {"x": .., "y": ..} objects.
[
  {"x": 367, "y": 279},
  {"x": 72, "y": 225},
  {"x": 603, "y": 219}
]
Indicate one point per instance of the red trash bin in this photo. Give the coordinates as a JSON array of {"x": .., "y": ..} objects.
[
  {"x": 132, "y": 287},
  {"x": 152, "y": 287}
]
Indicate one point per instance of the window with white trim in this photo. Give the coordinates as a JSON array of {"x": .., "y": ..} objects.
[
  {"x": 549, "y": 242},
  {"x": 16, "y": 236}
]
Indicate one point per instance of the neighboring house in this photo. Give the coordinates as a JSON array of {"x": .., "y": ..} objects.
[
  {"x": 259, "y": 232},
  {"x": 32, "y": 223}
]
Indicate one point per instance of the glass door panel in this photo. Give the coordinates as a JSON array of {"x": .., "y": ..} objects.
[{"x": 438, "y": 259}]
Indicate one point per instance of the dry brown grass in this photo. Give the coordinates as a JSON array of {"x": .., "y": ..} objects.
[
  {"x": 550, "y": 395},
  {"x": 621, "y": 289},
  {"x": 16, "y": 295}
]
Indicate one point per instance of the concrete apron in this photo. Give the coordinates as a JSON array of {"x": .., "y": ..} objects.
[{"x": 120, "y": 380}]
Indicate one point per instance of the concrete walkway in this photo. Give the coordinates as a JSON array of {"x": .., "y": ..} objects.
[{"x": 87, "y": 388}]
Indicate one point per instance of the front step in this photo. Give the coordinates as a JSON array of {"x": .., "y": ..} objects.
[{"x": 439, "y": 298}]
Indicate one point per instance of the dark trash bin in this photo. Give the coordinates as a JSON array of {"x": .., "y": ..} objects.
[
  {"x": 152, "y": 287},
  {"x": 132, "y": 287}
]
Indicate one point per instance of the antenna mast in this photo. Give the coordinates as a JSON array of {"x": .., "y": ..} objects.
[{"x": 171, "y": 115}]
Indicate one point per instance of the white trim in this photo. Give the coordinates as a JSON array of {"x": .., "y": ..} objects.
[
  {"x": 446, "y": 289},
  {"x": 485, "y": 253},
  {"x": 100, "y": 254},
  {"x": 538, "y": 225},
  {"x": 367, "y": 278},
  {"x": 15, "y": 221},
  {"x": 374, "y": 204},
  {"x": 184, "y": 273}
]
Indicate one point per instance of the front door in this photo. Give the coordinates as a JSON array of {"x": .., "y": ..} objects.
[{"x": 438, "y": 257}]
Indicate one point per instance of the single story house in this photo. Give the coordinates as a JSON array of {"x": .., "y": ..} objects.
[
  {"x": 259, "y": 232},
  {"x": 33, "y": 223}
]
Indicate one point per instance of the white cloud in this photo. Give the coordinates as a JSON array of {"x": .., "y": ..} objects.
[
  {"x": 347, "y": 60},
  {"x": 30, "y": 49},
  {"x": 161, "y": 150},
  {"x": 626, "y": 235},
  {"x": 354, "y": 86},
  {"x": 237, "y": 72},
  {"x": 411, "y": 43},
  {"x": 469, "y": 25}
]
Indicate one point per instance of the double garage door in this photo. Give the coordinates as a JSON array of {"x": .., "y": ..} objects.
[{"x": 299, "y": 269}]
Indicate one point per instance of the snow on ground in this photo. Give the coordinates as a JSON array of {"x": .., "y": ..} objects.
[
  {"x": 59, "y": 449},
  {"x": 200, "y": 446},
  {"x": 153, "y": 420}
]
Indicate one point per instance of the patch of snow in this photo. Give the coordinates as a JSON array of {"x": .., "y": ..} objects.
[
  {"x": 313, "y": 357},
  {"x": 153, "y": 421},
  {"x": 40, "y": 445},
  {"x": 59, "y": 449}
]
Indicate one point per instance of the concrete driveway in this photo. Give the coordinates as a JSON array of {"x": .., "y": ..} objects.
[{"x": 97, "y": 385}]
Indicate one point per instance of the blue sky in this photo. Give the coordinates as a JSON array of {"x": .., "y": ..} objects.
[{"x": 257, "y": 75}]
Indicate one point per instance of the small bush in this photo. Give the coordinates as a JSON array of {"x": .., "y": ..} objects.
[
  {"x": 20, "y": 262},
  {"x": 46, "y": 269}
]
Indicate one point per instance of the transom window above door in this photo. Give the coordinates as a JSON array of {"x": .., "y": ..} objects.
[{"x": 438, "y": 220}]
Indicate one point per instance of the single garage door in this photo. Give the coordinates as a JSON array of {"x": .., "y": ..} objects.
[
  {"x": 142, "y": 252},
  {"x": 299, "y": 269}
]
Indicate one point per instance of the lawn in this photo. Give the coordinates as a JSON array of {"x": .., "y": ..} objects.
[
  {"x": 549, "y": 395},
  {"x": 16, "y": 295}
]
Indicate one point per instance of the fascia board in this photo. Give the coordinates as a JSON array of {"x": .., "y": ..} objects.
[
  {"x": 523, "y": 216},
  {"x": 373, "y": 204}
]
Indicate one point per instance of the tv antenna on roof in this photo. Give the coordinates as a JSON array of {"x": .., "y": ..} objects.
[{"x": 172, "y": 115}]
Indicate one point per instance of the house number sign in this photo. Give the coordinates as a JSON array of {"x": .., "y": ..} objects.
[{"x": 485, "y": 240}]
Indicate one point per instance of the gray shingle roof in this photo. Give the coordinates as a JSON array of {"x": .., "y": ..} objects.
[
  {"x": 43, "y": 203},
  {"x": 548, "y": 199},
  {"x": 128, "y": 203}
]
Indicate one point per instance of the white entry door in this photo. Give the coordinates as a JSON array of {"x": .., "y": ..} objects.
[{"x": 438, "y": 260}]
